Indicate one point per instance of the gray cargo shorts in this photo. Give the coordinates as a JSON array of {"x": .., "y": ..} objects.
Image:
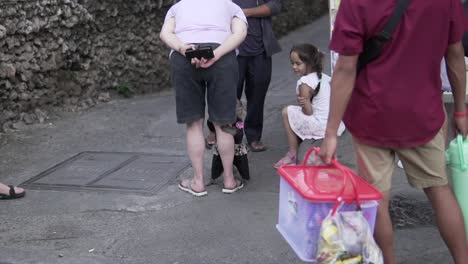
[{"x": 218, "y": 84}]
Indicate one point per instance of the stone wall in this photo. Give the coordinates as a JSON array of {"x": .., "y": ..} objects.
[{"x": 70, "y": 53}]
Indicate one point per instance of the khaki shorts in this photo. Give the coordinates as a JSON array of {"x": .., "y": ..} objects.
[{"x": 424, "y": 165}]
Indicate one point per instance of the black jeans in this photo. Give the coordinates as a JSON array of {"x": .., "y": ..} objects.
[{"x": 255, "y": 77}]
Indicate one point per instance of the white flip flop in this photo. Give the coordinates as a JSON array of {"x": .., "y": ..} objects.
[
  {"x": 235, "y": 189},
  {"x": 192, "y": 192}
]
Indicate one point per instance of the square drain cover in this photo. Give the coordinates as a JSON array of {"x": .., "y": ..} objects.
[{"x": 119, "y": 171}]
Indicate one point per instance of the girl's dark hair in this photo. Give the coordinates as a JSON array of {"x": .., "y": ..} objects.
[{"x": 312, "y": 57}]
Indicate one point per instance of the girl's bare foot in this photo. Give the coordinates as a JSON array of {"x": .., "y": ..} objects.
[{"x": 289, "y": 159}]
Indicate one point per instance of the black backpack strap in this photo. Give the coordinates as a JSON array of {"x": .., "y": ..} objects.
[
  {"x": 373, "y": 46},
  {"x": 394, "y": 20}
]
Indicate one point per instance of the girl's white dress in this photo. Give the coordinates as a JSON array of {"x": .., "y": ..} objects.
[
  {"x": 443, "y": 76},
  {"x": 313, "y": 126}
]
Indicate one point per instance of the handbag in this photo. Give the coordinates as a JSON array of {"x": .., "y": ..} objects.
[{"x": 374, "y": 46}]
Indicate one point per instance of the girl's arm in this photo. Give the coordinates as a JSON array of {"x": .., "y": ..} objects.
[{"x": 305, "y": 92}]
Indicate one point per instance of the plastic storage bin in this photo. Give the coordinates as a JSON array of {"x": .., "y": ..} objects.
[
  {"x": 307, "y": 195},
  {"x": 457, "y": 159}
]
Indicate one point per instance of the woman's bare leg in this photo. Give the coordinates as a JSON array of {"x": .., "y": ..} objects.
[
  {"x": 293, "y": 140},
  {"x": 225, "y": 143},
  {"x": 196, "y": 152}
]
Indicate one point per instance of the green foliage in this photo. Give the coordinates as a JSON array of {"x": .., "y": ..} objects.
[{"x": 124, "y": 90}]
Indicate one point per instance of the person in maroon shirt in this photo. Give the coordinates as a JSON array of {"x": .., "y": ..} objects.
[{"x": 394, "y": 107}]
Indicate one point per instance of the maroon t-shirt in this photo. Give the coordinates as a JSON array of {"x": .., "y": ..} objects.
[{"x": 396, "y": 102}]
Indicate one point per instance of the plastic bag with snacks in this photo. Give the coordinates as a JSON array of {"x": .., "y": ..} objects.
[{"x": 346, "y": 237}]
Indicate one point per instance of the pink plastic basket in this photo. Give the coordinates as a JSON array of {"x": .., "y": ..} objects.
[{"x": 308, "y": 194}]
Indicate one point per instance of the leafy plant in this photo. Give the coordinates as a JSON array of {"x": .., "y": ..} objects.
[{"x": 124, "y": 90}]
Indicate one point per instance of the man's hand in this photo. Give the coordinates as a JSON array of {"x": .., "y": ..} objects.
[
  {"x": 328, "y": 148},
  {"x": 461, "y": 125}
]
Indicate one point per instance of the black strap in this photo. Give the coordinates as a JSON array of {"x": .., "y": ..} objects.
[
  {"x": 394, "y": 20},
  {"x": 373, "y": 46},
  {"x": 12, "y": 191}
]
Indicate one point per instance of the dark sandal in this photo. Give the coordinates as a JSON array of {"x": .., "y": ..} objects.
[
  {"x": 13, "y": 194},
  {"x": 210, "y": 141},
  {"x": 257, "y": 146},
  {"x": 208, "y": 145}
]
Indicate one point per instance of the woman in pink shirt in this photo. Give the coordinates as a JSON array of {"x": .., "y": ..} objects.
[{"x": 221, "y": 25}]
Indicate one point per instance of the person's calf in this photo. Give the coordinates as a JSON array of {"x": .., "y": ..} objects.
[
  {"x": 196, "y": 148},
  {"x": 384, "y": 230},
  {"x": 449, "y": 220},
  {"x": 225, "y": 143},
  {"x": 284, "y": 112}
]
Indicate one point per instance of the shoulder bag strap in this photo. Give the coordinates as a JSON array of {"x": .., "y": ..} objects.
[
  {"x": 373, "y": 46},
  {"x": 394, "y": 20}
]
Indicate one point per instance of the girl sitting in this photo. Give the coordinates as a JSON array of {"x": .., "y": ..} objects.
[{"x": 309, "y": 119}]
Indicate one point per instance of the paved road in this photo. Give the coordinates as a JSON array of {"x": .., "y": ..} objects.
[{"x": 62, "y": 226}]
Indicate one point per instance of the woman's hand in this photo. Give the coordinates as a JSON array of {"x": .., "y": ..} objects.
[
  {"x": 208, "y": 63},
  {"x": 205, "y": 63},
  {"x": 184, "y": 47}
]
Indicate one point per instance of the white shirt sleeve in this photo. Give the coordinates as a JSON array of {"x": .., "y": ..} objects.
[
  {"x": 311, "y": 80},
  {"x": 443, "y": 76}
]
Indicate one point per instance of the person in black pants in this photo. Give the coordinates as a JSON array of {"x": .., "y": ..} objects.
[{"x": 255, "y": 64}]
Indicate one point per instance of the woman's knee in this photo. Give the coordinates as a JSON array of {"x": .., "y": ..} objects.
[
  {"x": 284, "y": 112},
  {"x": 197, "y": 124}
]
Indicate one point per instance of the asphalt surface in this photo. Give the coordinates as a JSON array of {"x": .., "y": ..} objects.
[{"x": 168, "y": 227}]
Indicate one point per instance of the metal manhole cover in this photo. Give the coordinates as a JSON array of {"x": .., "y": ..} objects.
[
  {"x": 407, "y": 212},
  {"x": 118, "y": 171}
]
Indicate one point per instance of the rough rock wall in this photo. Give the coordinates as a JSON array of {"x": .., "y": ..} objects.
[
  {"x": 68, "y": 53},
  {"x": 296, "y": 13}
]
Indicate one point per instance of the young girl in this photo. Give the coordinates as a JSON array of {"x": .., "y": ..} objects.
[{"x": 309, "y": 119}]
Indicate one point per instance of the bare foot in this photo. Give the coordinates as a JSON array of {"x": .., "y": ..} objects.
[
  {"x": 190, "y": 183},
  {"x": 189, "y": 186},
  {"x": 289, "y": 159},
  {"x": 232, "y": 188}
]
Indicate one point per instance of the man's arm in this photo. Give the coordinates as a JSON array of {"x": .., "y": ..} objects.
[
  {"x": 270, "y": 8},
  {"x": 456, "y": 72},
  {"x": 342, "y": 85}
]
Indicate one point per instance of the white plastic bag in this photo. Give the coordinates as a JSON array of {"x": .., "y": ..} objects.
[{"x": 346, "y": 238}]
